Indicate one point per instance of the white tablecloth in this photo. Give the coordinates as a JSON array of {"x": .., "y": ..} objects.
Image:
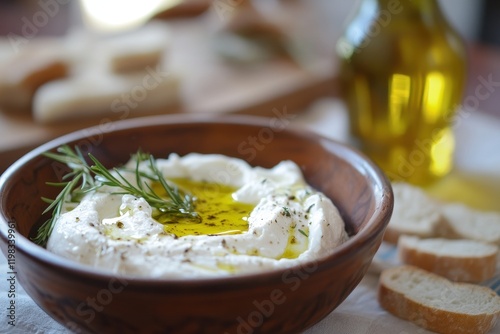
[{"x": 360, "y": 312}]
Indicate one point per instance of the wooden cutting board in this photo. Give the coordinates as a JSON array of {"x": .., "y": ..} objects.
[{"x": 209, "y": 85}]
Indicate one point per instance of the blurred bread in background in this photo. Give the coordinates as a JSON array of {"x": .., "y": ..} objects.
[
  {"x": 80, "y": 76},
  {"x": 22, "y": 73}
]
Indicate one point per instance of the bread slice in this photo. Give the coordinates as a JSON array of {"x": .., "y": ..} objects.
[
  {"x": 137, "y": 50},
  {"x": 415, "y": 213},
  {"x": 106, "y": 95},
  {"x": 40, "y": 61},
  {"x": 124, "y": 53},
  {"x": 189, "y": 8},
  {"x": 435, "y": 303},
  {"x": 463, "y": 222},
  {"x": 458, "y": 260}
]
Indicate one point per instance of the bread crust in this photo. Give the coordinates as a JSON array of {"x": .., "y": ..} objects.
[
  {"x": 473, "y": 268},
  {"x": 418, "y": 214},
  {"x": 440, "y": 320},
  {"x": 415, "y": 213},
  {"x": 464, "y": 222},
  {"x": 20, "y": 76}
]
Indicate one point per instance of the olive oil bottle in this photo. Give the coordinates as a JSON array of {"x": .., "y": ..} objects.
[{"x": 402, "y": 73}]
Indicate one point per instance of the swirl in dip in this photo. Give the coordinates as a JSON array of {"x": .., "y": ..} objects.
[{"x": 253, "y": 220}]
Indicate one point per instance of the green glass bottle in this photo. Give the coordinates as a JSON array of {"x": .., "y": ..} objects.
[{"x": 402, "y": 74}]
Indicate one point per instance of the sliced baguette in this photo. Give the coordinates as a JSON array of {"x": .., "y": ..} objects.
[
  {"x": 106, "y": 95},
  {"x": 458, "y": 260},
  {"x": 463, "y": 222},
  {"x": 188, "y": 8},
  {"x": 137, "y": 50},
  {"x": 124, "y": 53},
  {"x": 435, "y": 303},
  {"x": 39, "y": 62},
  {"x": 415, "y": 213}
]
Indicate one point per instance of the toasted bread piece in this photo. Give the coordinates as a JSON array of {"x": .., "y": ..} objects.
[
  {"x": 124, "y": 53},
  {"x": 137, "y": 50},
  {"x": 22, "y": 74},
  {"x": 464, "y": 222},
  {"x": 458, "y": 260},
  {"x": 186, "y": 9},
  {"x": 107, "y": 95},
  {"x": 415, "y": 213},
  {"x": 436, "y": 303}
]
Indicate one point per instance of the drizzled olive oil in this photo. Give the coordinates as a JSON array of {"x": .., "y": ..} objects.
[
  {"x": 402, "y": 72},
  {"x": 218, "y": 212},
  {"x": 294, "y": 248}
]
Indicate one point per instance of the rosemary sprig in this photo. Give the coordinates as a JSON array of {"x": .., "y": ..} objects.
[
  {"x": 80, "y": 182},
  {"x": 84, "y": 178},
  {"x": 176, "y": 205}
]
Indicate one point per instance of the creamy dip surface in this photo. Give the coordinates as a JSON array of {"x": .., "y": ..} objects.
[{"x": 287, "y": 223}]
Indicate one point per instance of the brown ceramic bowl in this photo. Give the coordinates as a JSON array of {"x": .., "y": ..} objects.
[{"x": 281, "y": 301}]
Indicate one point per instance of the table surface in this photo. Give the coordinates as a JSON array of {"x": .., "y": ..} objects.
[
  {"x": 476, "y": 181},
  {"x": 255, "y": 91},
  {"x": 360, "y": 312},
  {"x": 208, "y": 85}
]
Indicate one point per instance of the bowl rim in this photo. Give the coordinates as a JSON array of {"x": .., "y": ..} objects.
[{"x": 375, "y": 225}]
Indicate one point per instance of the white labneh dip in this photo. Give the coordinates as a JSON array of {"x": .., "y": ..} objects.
[{"x": 288, "y": 223}]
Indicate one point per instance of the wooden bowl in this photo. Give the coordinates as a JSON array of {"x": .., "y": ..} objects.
[{"x": 281, "y": 301}]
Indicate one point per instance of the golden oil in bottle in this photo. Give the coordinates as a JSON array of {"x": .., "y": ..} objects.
[{"x": 402, "y": 73}]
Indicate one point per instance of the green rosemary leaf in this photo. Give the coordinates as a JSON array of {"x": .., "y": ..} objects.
[{"x": 84, "y": 178}]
